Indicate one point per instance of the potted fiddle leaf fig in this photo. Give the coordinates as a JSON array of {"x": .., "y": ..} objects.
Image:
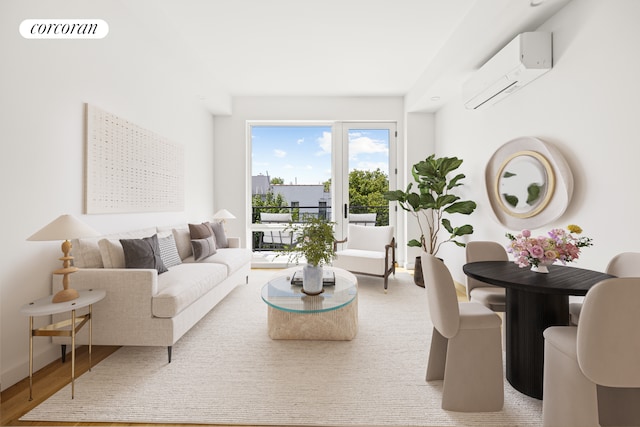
[{"x": 431, "y": 204}]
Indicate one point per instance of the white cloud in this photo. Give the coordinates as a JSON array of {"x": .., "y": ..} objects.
[
  {"x": 324, "y": 142},
  {"x": 366, "y": 145},
  {"x": 287, "y": 167},
  {"x": 300, "y": 141},
  {"x": 279, "y": 153}
]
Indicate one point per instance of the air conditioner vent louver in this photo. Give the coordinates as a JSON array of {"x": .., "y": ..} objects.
[{"x": 524, "y": 59}]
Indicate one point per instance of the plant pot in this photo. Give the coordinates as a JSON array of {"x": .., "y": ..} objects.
[
  {"x": 312, "y": 279},
  {"x": 418, "y": 279}
]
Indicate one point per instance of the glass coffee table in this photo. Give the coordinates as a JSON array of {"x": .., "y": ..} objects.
[{"x": 294, "y": 315}]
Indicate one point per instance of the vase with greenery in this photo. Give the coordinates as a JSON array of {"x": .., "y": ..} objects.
[
  {"x": 314, "y": 242},
  {"x": 433, "y": 201}
]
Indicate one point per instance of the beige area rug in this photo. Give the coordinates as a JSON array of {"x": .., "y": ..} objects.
[{"x": 226, "y": 370}]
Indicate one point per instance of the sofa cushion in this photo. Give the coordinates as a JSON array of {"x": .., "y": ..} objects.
[
  {"x": 361, "y": 261},
  {"x": 143, "y": 253},
  {"x": 169, "y": 251},
  {"x": 232, "y": 258},
  {"x": 220, "y": 234},
  {"x": 112, "y": 253},
  {"x": 200, "y": 231},
  {"x": 87, "y": 252},
  {"x": 183, "y": 242},
  {"x": 184, "y": 284},
  {"x": 203, "y": 248}
]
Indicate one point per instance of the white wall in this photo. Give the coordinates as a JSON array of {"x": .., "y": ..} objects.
[
  {"x": 44, "y": 85},
  {"x": 232, "y": 165},
  {"x": 587, "y": 106}
]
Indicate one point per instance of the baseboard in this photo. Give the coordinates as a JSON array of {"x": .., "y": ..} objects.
[{"x": 21, "y": 371}]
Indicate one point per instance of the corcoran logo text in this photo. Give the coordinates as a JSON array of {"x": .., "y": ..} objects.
[{"x": 64, "y": 28}]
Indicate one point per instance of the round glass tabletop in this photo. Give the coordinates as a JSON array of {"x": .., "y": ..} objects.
[{"x": 281, "y": 294}]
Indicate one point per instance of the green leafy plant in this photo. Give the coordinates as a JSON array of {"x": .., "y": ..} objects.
[
  {"x": 433, "y": 200},
  {"x": 313, "y": 241}
]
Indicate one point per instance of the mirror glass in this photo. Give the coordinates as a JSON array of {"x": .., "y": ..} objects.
[{"x": 524, "y": 184}]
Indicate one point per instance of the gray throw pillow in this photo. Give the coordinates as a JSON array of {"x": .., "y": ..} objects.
[
  {"x": 200, "y": 231},
  {"x": 169, "y": 251},
  {"x": 143, "y": 253},
  {"x": 219, "y": 233},
  {"x": 203, "y": 248}
]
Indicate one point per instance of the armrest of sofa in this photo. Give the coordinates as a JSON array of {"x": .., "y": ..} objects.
[
  {"x": 234, "y": 242},
  {"x": 128, "y": 290}
]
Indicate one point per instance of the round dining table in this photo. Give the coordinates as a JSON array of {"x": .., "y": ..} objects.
[{"x": 534, "y": 301}]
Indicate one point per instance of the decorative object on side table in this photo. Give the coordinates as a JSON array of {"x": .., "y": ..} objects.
[
  {"x": 64, "y": 227},
  {"x": 429, "y": 205},
  {"x": 542, "y": 251},
  {"x": 314, "y": 243}
]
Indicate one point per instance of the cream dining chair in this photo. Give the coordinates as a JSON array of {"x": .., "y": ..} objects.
[
  {"x": 591, "y": 372},
  {"x": 466, "y": 351},
  {"x": 488, "y": 295},
  {"x": 625, "y": 264}
]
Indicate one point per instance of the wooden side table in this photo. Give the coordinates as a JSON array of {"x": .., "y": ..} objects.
[{"x": 66, "y": 328}]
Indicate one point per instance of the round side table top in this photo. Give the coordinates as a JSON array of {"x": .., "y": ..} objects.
[{"x": 44, "y": 306}]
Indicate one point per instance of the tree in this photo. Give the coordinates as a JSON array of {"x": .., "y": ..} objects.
[
  {"x": 327, "y": 185},
  {"x": 277, "y": 180},
  {"x": 366, "y": 193},
  {"x": 270, "y": 202}
]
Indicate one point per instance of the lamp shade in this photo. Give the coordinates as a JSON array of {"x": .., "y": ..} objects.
[
  {"x": 223, "y": 214},
  {"x": 65, "y": 227}
]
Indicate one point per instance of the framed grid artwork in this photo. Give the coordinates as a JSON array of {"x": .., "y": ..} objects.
[{"x": 129, "y": 168}]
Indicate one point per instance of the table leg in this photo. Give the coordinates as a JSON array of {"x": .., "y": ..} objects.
[
  {"x": 73, "y": 352},
  {"x": 30, "y": 358},
  {"x": 528, "y": 315},
  {"x": 90, "y": 334}
]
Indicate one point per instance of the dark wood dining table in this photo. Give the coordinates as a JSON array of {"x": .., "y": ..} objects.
[{"x": 535, "y": 301}]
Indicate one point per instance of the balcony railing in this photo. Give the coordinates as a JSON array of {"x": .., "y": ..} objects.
[{"x": 300, "y": 214}]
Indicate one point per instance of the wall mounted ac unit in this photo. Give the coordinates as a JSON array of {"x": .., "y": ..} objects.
[{"x": 524, "y": 59}]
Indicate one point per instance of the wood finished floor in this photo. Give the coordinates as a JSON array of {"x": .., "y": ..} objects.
[
  {"x": 14, "y": 401},
  {"x": 48, "y": 380}
]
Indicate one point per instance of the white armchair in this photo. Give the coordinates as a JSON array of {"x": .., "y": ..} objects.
[
  {"x": 368, "y": 219},
  {"x": 369, "y": 250}
]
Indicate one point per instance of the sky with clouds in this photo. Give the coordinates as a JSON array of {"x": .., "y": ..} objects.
[{"x": 302, "y": 154}]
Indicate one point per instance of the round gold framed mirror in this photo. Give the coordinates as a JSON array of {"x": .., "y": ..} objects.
[
  {"x": 524, "y": 184},
  {"x": 528, "y": 182}
]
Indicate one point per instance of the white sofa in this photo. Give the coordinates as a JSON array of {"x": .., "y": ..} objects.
[{"x": 143, "y": 307}]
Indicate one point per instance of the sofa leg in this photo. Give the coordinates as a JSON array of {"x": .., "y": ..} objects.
[
  {"x": 63, "y": 348},
  {"x": 169, "y": 353}
]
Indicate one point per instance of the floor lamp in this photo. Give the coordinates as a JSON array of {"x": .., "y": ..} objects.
[{"x": 65, "y": 227}]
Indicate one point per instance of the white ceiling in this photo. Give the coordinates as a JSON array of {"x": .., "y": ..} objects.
[{"x": 420, "y": 49}]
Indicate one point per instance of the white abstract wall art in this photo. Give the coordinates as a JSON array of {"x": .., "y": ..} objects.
[{"x": 129, "y": 168}]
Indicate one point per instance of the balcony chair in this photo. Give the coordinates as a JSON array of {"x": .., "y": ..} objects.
[
  {"x": 368, "y": 250},
  {"x": 625, "y": 264},
  {"x": 591, "y": 372},
  {"x": 466, "y": 350},
  {"x": 277, "y": 239},
  {"x": 368, "y": 219},
  {"x": 488, "y": 295}
]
